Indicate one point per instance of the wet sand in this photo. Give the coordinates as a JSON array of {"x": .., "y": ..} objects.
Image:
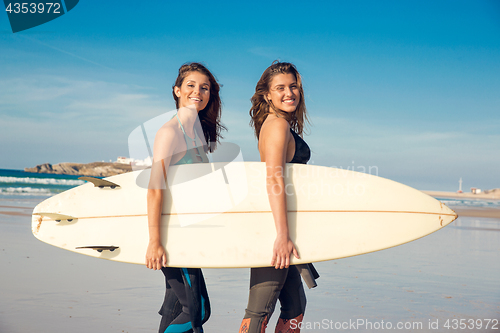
[
  {"x": 488, "y": 212},
  {"x": 477, "y": 212},
  {"x": 15, "y": 213},
  {"x": 449, "y": 275}
]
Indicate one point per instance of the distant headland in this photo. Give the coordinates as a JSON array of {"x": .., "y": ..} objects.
[{"x": 95, "y": 169}]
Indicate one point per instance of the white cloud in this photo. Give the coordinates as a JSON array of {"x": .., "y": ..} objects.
[
  {"x": 71, "y": 120},
  {"x": 57, "y": 98}
]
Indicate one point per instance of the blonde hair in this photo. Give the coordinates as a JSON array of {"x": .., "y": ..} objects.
[{"x": 262, "y": 107}]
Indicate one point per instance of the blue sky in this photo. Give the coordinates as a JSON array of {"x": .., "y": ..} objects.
[{"x": 409, "y": 87}]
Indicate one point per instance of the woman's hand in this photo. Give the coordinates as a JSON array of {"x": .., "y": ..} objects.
[
  {"x": 283, "y": 249},
  {"x": 274, "y": 140},
  {"x": 156, "y": 257}
]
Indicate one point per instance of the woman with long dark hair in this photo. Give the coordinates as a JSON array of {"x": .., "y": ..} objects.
[{"x": 185, "y": 139}]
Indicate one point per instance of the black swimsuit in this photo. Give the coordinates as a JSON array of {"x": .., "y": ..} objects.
[{"x": 302, "y": 151}]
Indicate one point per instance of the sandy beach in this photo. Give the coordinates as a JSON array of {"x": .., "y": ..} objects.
[
  {"x": 471, "y": 211},
  {"x": 478, "y": 212},
  {"x": 495, "y": 195},
  {"x": 448, "y": 276}
]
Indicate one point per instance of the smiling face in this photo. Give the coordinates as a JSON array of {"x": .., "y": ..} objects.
[
  {"x": 284, "y": 92},
  {"x": 194, "y": 90}
]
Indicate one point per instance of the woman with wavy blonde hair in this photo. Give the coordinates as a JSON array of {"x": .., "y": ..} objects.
[
  {"x": 278, "y": 116},
  {"x": 262, "y": 106}
]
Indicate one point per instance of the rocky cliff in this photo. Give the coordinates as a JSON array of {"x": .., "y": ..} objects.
[{"x": 95, "y": 169}]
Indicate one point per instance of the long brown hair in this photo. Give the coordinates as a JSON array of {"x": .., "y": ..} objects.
[
  {"x": 262, "y": 107},
  {"x": 211, "y": 114}
]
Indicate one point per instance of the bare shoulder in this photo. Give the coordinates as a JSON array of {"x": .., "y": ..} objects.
[
  {"x": 275, "y": 127},
  {"x": 274, "y": 139},
  {"x": 167, "y": 141},
  {"x": 169, "y": 132}
]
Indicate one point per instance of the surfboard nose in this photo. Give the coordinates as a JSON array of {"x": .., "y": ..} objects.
[{"x": 447, "y": 215}]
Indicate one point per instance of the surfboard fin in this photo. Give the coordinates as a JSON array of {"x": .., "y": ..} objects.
[
  {"x": 101, "y": 183},
  {"x": 57, "y": 217},
  {"x": 99, "y": 248}
]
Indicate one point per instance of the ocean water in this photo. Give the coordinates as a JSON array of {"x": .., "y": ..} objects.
[
  {"x": 15, "y": 184},
  {"x": 470, "y": 203}
]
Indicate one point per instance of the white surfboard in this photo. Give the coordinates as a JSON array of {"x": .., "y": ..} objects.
[{"x": 217, "y": 215}]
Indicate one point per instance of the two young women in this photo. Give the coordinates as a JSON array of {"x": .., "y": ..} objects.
[{"x": 278, "y": 114}]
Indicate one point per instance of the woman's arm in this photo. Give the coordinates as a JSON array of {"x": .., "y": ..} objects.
[
  {"x": 275, "y": 137},
  {"x": 164, "y": 147}
]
